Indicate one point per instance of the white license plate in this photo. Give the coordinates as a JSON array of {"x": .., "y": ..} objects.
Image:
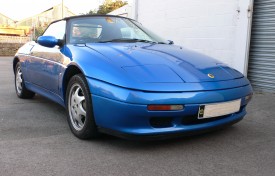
[{"x": 219, "y": 109}]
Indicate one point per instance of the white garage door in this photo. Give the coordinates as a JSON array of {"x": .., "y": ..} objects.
[{"x": 261, "y": 70}]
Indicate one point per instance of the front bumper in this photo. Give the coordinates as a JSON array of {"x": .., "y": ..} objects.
[
  {"x": 162, "y": 136},
  {"x": 123, "y": 112}
]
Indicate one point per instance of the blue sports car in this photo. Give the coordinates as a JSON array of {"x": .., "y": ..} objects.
[{"x": 115, "y": 76}]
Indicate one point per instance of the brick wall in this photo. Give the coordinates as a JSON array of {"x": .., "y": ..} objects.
[
  {"x": 214, "y": 27},
  {"x": 9, "y": 49},
  {"x": 14, "y": 39}
]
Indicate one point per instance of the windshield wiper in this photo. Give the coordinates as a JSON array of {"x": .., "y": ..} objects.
[
  {"x": 126, "y": 40},
  {"x": 113, "y": 40},
  {"x": 145, "y": 41}
]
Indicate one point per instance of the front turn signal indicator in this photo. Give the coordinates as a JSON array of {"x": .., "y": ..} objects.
[{"x": 248, "y": 98}]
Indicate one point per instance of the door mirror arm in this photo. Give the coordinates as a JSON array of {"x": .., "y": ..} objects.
[{"x": 170, "y": 42}]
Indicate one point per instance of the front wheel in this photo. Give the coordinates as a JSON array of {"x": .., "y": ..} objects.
[
  {"x": 79, "y": 108},
  {"x": 21, "y": 90}
]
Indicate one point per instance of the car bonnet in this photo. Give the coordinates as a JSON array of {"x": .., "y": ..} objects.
[{"x": 161, "y": 63}]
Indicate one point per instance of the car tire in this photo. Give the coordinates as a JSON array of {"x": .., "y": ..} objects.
[
  {"x": 20, "y": 88},
  {"x": 79, "y": 108}
]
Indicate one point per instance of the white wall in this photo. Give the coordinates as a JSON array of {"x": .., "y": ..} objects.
[
  {"x": 125, "y": 11},
  {"x": 218, "y": 28}
]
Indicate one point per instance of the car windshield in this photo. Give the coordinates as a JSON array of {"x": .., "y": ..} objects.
[{"x": 105, "y": 29}]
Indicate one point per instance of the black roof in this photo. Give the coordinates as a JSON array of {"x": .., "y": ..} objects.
[{"x": 81, "y": 16}]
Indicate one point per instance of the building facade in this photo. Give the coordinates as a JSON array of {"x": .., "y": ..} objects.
[
  {"x": 6, "y": 21},
  {"x": 27, "y": 27},
  {"x": 46, "y": 17}
]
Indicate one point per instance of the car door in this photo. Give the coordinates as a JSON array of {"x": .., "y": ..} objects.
[{"x": 46, "y": 63}]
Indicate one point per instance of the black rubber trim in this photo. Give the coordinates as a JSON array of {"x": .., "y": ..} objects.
[{"x": 163, "y": 136}]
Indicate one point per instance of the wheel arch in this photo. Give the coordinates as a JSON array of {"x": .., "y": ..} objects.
[
  {"x": 69, "y": 73},
  {"x": 15, "y": 61}
]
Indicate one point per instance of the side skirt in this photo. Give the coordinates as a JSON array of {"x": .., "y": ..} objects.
[{"x": 45, "y": 93}]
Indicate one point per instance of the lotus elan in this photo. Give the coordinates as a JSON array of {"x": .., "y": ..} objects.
[{"x": 115, "y": 76}]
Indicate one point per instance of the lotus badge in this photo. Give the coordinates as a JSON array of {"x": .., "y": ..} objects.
[{"x": 210, "y": 75}]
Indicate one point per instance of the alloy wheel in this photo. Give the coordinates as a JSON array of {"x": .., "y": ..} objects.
[
  {"x": 19, "y": 80},
  {"x": 77, "y": 107}
]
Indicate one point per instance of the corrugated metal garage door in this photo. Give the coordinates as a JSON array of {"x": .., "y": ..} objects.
[{"x": 261, "y": 68}]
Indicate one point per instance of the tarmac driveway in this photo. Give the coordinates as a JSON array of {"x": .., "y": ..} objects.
[{"x": 35, "y": 140}]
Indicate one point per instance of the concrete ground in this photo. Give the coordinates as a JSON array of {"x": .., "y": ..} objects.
[{"x": 35, "y": 140}]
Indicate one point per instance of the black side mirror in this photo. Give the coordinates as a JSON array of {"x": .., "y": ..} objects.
[{"x": 170, "y": 42}]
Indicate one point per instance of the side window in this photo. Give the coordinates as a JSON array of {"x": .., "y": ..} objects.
[{"x": 56, "y": 29}]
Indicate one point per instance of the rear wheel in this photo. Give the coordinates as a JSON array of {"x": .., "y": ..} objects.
[
  {"x": 79, "y": 108},
  {"x": 21, "y": 90}
]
